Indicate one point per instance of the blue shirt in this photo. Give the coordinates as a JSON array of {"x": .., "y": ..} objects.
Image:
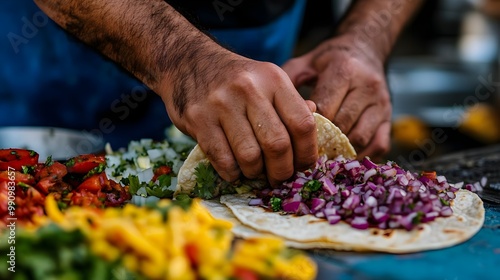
[{"x": 48, "y": 78}]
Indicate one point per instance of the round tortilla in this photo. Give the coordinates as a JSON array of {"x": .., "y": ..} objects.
[
  {"x": 307, "y": 232},
  {"x": 331, "y": 142},
  {"x": 221, "y": 211}
]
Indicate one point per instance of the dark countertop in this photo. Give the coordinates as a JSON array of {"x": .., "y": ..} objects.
[{"x": 477, "y": 258}]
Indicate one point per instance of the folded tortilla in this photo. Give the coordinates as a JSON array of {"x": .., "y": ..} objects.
[{"x": 331, "y": 142}]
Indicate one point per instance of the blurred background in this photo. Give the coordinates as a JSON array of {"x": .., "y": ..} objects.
[{"x": 443, "y": 76}]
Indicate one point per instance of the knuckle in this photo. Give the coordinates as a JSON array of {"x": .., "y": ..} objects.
[
  {"x": 277, "y": 146},
  {"x": 345, "y": 70},
  {"x": 360, "y": 139},
  {"x": 248, "y": 156},
  {"x": 344, "y": 121},
  {"x": 245, "y": 81},
  {"x": 224, "y": 164},
  {"x": 271, "y": 70},
  {"x": 306, "y": 127}
]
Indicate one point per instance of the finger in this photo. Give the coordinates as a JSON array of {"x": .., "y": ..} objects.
[
  {"x": 299, "y": 70},
  {"x": 274, "y": 141},
  {"x": 311, "y": 105},
  {"x": 366, "y": 127},
  {"x": 355, "y": 103},
  {"x": 330, "y": 91},
  {"x": 244, "y": 145},
  {"x": 380, "y": 144},
  {"x": 217, "y": 149},
  {"x": 297, "y": 117}
]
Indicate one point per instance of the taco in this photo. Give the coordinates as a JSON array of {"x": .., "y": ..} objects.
[
  {"x": 343, "y": 203},
  {"x": 198, "y": 178}
]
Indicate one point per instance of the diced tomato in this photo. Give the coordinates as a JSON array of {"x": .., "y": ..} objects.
[
  {"x": 51, "y": 176},
  {"x": 192, "y": 254},
  {"x": 55, "y": 171},
  {"x": 94, "y": 183},
  {"x": 244, "y": 274},
  {"x": 35, "y": 196},
  {"x": 84, "y": 198},
  {"x": 162, "y": 170},
  {"x": 17, "y": 176},
  {"x": 84, "y": 163},
  {"x": 429, "y": 174},
  {"x": 17, "y": 158}
]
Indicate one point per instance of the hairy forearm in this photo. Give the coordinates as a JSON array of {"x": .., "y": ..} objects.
[
  {"x": 377, "y": 23},
  {"x": 147, "y": 37}
]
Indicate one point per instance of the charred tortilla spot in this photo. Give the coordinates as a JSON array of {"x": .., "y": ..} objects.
[
  {"x": 451, "y": 231},
  {"x": 388, "y": 233},
  {"x": 315, "y": 221},
  {"x": 375, "y": 232}
]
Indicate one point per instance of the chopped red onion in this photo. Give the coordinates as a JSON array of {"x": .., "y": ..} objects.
[
  {"x": 351, "y": 164},
  {"x": 359, "y": 223},
  {"x": 369, "y": 174},
  {"x": 255, "y": 202},
  {"x": 365, "y": 194},
  {"x": 291, "y": 207}
]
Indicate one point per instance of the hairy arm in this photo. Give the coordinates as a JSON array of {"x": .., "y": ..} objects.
[
  {"x": 245, "y": 114},
  {"x": 148, "y": 38},
  {"x": 377, "y": 23}
]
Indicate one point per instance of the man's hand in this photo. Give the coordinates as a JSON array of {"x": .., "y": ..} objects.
[
  {"x": 348, "y": 72},
  {"x": 245, "y": 115},
  {"x": 349, "y": 89}
]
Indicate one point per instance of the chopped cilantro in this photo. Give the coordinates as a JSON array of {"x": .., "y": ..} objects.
[
  {"x": 310, "y": 187},
  {"x": 183, "y": 200},
  {"x": 96, "y": 170},
  {"x": 417, "y": 219},
  {"x": 13, "y": 153},
  {"x": 24, "y": 186},
  {"x": 70, "y": 163},
  {"x": 160, "y": 190},
  {"x": 165, "y": 180},
  {"x": 62, "y": 205},
  {"x": 32, "y": 153},
  {"x": 313, "y": 185},
  {"x": 49, "y": 161},
  {"x": 157, "y": 191},
  {"x": 27, "y": 169},
  {"x": 133, "y": 184},
  {"x": 275, "y": 203},
  {"x": 444, "y": 202},
  {"x": 206, "y": 178}
]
